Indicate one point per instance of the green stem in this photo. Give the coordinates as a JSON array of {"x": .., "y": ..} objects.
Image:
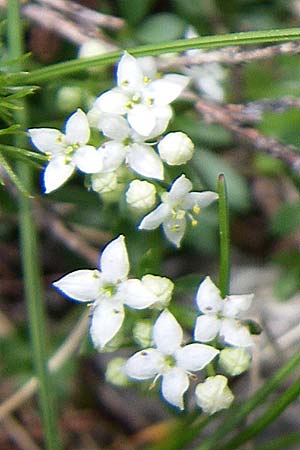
[
  {"x": 30, "y": 260},
  {"x": 207, "y": 42},
  {"x": 224, "y": 274}
]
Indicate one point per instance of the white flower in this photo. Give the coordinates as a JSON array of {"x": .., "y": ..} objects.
[
  {"x": 176, "y": 148},
  {"x": 214, "y": 394},
  {"x": 172, "y": 212},
  {"x": 169, "y": 359},
  {"x": 234, "y": 360},
  {"x": 141, "y": 194},
  {"x": 66, "y": 151},
  {"x": 142, "y": 98},
  {"x": 109, "y": 289},
  {"x": 127, "y": 145},
  {"x": 221, "y": 316}
]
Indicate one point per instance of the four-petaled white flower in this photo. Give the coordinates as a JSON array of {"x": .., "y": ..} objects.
[
  {"x": 169, "y": 359},
  {"x": 172, "y": 212},
  {"x": 221, "y": 316},
  {"x": 66, "y": 151},
  {"x": 140, "y": 96},
  {"x": 127, "y": 145},
  {"x": 109, "y": 289}
]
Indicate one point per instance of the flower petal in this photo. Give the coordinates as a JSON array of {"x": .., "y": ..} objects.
[
  {"x": 113, "y": 154},
  {"x": 206, "y": 328},
  {"x": 143, "y": 160},
  {"x": 174, "y": 384},
  {"x": 167, "y": 89},
  {"x": 56, "y": 173},
  {"x": 81, "y": 285},
  {"x": 163, "y": 116},
  {"x": 179, "y": 189},
  {"x": 77, "y": 128},
  {"x": 107, "y": 319},
  {"x": 208, "y": 297},
  {"x": 114, "y": 262},
  {"x": 214, "y": 394},
  {"x": 200, "y": 199},
  {"x": 129, "y": 74},
  {"x": 235, "y": 304},
  {"x": 136, "y": 295},
  {"x": 167, "y": 333},
  {"x": 88, "y": 159},
  {"x": 235, "y": 333},
  {"x": 113, "y": 101},
  {"x": 47, "y": 140},
  {"x": 113, "y": 126},
  {"x": 195, "y": 357},
  {"x": 145, "y": 364},
  {"x": 155, "y": 218},
  {"x": 174, "y": 230},
  {"x": 142, "y": 119}
]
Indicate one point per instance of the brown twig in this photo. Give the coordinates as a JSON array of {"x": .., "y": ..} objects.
[
  {"x": 19, "y": 435},
  {"x": 229, "y": 55},
  {"x": 63, "y": 353},
  {"x": 216, "y": 113}
]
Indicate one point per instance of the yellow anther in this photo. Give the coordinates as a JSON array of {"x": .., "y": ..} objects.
[
  {"x": 128, "y": 105},
  {"x": 125, "y": 83},
  {"x": 175, "y": 228},
  {"x": 146, "y": 80},
  {"x": 196, "y": 209},
  {"x": 194, "y": 223},
  {"x": 150, "y": 101}
]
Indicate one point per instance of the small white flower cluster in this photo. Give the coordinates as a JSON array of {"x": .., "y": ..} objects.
[
  {"x": 109, "y": 289},
  {"x": 130, "y": 120}
]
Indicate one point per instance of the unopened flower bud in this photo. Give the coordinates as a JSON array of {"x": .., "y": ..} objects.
[
  {"x": 92, "y": 47},
  {"x": 214, "y": 394},
  {"x": 162, "y": 288},
  {"x": 115, "y": 372},
  {"x": 176, "y": 148},
  {"x": 104, "y": 182},
  {"x": 68, "y": 98},
  {"x": 141, "y": 194},
  {"x": 234, "y": 361},
  {"x": 142, "y": 332}
]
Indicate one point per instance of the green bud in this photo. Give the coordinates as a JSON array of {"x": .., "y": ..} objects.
[
  {"x": 142, "y": 332},
  {"x": 115, "y": 372},
  {"x": 234, "y": 361}
]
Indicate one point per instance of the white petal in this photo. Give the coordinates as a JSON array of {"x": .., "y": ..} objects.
[
  {"x": 113, "y": 101},
  {"x": 143, "y": 160},
  {"x": 113, "y": 126},
  {"x": 47, "y": 140},
  {"x": 207, "y": 327},
  {"x": 174, "y": 230},
  {"x": 77, "y": 128},
  {"x": 200, "y": 199},
  {"x": 107, "y": 319},
  {"x": 88, "y": 159},
  {"x": 129, "y": 74},
  {"x": 56, "y": 173},
  {"x": 155, "y": 218},
  {"x": 142, "y": 119},
  {"x": 148, "y": 66},
  {"x": 179, "y": 189},
  {"x": 81, "y": 285},
  {"x": 113, "y": 154},
  {"x": 145, "y": 364},
  {"x": 208, "y": 297},
  {"x": 163, "y": 115},
  {"x": 214, "y": 394},
  {"x": 167, "y": 89},
  {"x": 235, "y": 333},
  {"x": 136, "y": 295},
  {"x": 114, "y": 262},
  {"x": 235, "y": 304},
  {"x": 174, "y": 384},
  {"x": 195, "y": 357},
  {"x": 167, "y": 333}
]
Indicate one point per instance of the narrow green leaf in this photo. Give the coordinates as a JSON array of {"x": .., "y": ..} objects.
[
  {"x": 224, "y": 273},
  {"x": 46, "y": 74},
  {"x": 281, "y": 443},
  {"x": 13, "y": 176}
]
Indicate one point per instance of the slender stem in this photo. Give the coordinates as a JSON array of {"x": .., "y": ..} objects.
[
  {"x": 224, "y": 274},
  {"x": 30, "y": 260},
  {"x": 206, "y": 42}
]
